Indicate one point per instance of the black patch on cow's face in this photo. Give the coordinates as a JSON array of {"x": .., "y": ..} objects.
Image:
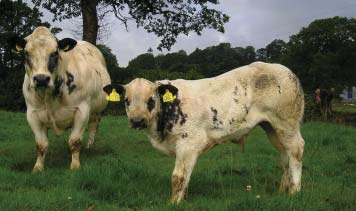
[
  {"x": 151, "y": 104},
  {"x": 70, "y": 82},
  {"x": 53, "y": 61},
  {"x": 58, "y": 81},
  {"x": 169, "y": 115},
  {"x": 216, "y": 123}
]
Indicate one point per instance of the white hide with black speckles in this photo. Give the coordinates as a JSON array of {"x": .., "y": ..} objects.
[{"x": 227, "y": 107}]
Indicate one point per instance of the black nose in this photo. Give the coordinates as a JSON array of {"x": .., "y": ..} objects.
[
  {"x": 41, "y": 80},
  {"x": 138, "y": 123}
]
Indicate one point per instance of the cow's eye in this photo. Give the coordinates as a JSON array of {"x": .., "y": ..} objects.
[
  {"x": 150, "y": 104},
  {"x": 127, "y": 102},
  {"x": 53, "y": 61}
]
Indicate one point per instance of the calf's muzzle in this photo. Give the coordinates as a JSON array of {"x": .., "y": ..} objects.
[{"x": 138, "y": 123}]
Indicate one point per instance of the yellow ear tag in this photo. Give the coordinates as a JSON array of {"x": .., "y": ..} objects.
[
  {"x": 66, "y": 48},
  {"x": 19, "y": 48},
  {"x": 113, "y": 96},
  {"x": 168, "y": 96}
]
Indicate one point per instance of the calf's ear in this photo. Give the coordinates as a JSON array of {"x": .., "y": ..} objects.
[
  {"x": 167, "y": 92},
  {"x": 67, "y": 44},
  {"x": 163, "y": 87},
  {"x": 112, "y": 88}
]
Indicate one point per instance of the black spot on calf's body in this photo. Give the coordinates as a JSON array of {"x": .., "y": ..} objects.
[
  {"x": 185, "y": 135},
  {"x": 215, "y": 123}
]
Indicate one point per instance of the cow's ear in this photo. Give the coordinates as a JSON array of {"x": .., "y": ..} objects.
[
  {"x": 17, "y": 43},
  {"x": 167, "y": 92},
  {"x": 115, "y": 92},
  {"x": 67, "y": 44}
]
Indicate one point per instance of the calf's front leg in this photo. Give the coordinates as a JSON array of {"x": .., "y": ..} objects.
[{"x": 185, "y": 162}]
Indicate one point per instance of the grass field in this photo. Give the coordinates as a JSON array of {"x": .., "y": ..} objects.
[
  {"x": 124, "y": 172},
  {"x": 344, "y": 108}
]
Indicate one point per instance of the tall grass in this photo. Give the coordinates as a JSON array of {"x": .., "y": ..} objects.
[{"x": 123, "y": 172}]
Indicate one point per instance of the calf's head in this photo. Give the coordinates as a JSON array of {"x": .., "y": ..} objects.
[
  {"x": 143, "y": 100},
  {"x": 41, "y": 51}
]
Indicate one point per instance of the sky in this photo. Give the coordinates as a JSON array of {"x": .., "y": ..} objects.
[{"x": 252, "y": 23}]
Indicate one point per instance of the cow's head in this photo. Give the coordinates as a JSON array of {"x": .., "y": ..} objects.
[
  {"x": 143, "y": 100},
  {"x": 41, "y": 51}
]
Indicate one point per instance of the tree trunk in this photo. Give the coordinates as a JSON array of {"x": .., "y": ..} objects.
[{"x": 90, "y": 20}]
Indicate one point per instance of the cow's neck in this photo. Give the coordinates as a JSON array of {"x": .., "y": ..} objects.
[{"x": 169, "y": 116}]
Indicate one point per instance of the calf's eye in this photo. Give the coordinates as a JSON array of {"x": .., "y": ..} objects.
[
  {"x": 150, "y": 104},
  {"x": 127, "y": 102}
]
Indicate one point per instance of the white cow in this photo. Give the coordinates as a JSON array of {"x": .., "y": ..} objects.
[
  {"x": 185, "y": 118},
  {"x": 62, "y": 89}
]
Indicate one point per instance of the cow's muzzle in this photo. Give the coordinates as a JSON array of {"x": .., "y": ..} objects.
[
  {"x": 138, "y": 123},
  {"x": 41, "y": 80}
]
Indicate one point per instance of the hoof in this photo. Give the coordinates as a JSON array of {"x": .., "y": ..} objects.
[
  {"x": 37, "y": 168},
  {"x": 74, "y": 165}
]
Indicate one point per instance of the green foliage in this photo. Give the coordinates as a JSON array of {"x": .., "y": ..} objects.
[
  {"x": 166, "y": 19},
  {"x": 122, "y": 171},
  {"x": 323, "y": 53}
]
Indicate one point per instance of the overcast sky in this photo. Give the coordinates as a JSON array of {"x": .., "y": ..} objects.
[{"x": 252, "y": 22}]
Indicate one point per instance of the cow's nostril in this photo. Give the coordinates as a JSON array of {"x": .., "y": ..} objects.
[{"x": 41, "y": 80}]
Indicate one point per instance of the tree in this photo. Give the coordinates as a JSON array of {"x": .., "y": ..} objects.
[
  {"x": 143, "y": 62},
  {"x": 323, "y": 53},
  {"x": 166, "y": 19},
  {"x": 275, "y": 50}
]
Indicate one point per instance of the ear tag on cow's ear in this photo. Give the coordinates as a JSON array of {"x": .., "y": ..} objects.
[
  {"x": 113, "y": 96},
  {"x": 66, "y": 48},
  {"x": 19, "y": 48},
  {"x": 168, "y": 97}
]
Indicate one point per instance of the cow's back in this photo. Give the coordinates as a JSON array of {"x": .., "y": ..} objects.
[{"x": 260, "y": 89}]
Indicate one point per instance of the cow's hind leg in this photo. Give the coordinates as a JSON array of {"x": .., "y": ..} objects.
[
  {"x": 92, "y": 128},
  {"x": 290, "y": 144},
  {"x": 75, "y": 139}
]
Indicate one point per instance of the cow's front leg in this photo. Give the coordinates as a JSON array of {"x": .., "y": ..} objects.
[
  {"x": 41, "y": 137},
  {"x": 75, "y": 139},
  {"x": 185, "y": 162}
]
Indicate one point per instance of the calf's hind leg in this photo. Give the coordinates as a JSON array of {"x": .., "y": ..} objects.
[
  {"x": 291, "y": 149},
  {"x": 294, "y": 148}
]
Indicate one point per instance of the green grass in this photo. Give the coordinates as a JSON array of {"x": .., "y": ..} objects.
[
  {"x": 124, "y": 172},
  {"x": 344, "y": 108}
]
